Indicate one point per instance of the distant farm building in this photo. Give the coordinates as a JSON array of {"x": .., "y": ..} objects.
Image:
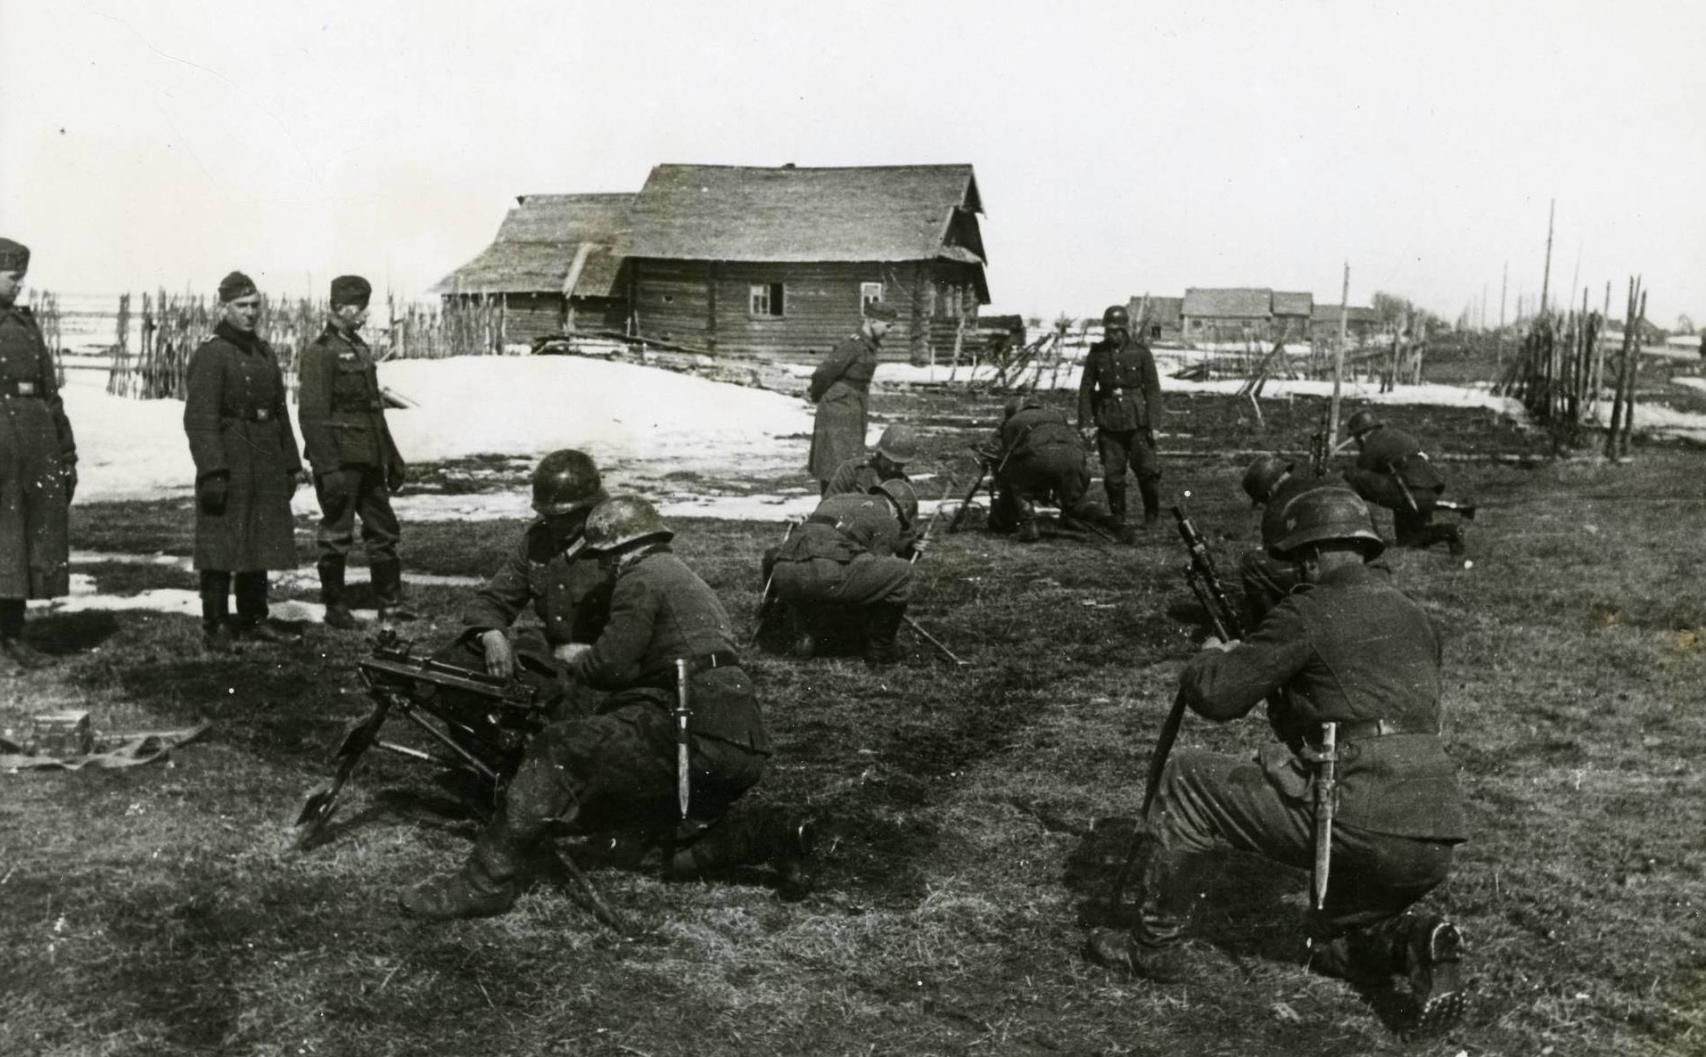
[
  {"x": 1292, "y": 314},
  {"x": 1361, "y": 323},
  {"x": 1161, "y": 318},
  {"x": 1227, "y": 315},
  {"x": 757, "y": 261},
  {"x": 553, "y": 265}
]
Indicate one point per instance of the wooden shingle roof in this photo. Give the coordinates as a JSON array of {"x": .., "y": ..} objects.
[
  {"x": 538, "y": 242},
  {"x": 1232, "y": 303},
  {"x": 868, "y": 213},
  {"x": 1290, "y": 304}
]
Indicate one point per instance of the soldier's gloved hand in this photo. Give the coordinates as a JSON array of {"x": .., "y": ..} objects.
[
  {"x": 70, "y": 475},
  {"x": 570, "y": 652},
  {"x": 396, "y": 475},
  {"x": 1214, "y": 643},
  {"x": 500, "y": 656},
  {"x": 211, "y": 492}
]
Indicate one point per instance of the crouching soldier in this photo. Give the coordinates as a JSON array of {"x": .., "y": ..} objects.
[
  {"x": 1037, "y": 457},
  {"x": 1271, "y": 482},
  {"x": 1345, "y": 648},
  {"x": 617, "y": 769},
  {"x": 1393, "y": 471},
  {"x": 895, "y": 448},
  {"x": 850, "y": 558}
]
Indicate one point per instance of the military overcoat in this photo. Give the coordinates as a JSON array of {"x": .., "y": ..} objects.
[
  {"x": 237, "y": 421},
  {"x": 37, "y": 451},
  {"x": 841, "y": 388}
]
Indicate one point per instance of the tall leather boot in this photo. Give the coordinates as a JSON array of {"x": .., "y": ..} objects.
[
  {"x": 388, "y": 586},
  {"x": 331, "y": 570},
  {"x": 216, "y": 628},
  {"x": 13, "y": 648},
  {"x": 1151, "y": 493},
  {"x": 766, "y": 835},
  {"x": 882, "y": 624},
  {"x": 252, "y": 623},
  {"x": 486, "y": 885},
  {"x": 1432, "y": 960},
  {"x": 1116, "y": 513},
  {"x": 1151, "y": 950}
]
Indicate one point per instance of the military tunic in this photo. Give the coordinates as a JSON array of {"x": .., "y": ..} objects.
[
  {"x": 617, "y": 768},
  {"x": 1120, "y": 395},
  {"x": 841, "y": 388},
  {"x": 37, "y": 454},
  {"x": 856, "y": 476},
  {"x": 846, "y": 553},
  {"x": 1350, "y": 649},
  {"x": 346, "y": 440},
  {"x": 238, "y": 424},
  {"x": 1041, "y": 460}
]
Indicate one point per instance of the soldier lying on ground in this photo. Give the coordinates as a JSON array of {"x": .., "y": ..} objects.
[
  {"x": 1347, "y": 648},
  {"x": 1037, "y": 457},
  {"x": 615, "y": 769},
  {"x": 850, "y": 558}
]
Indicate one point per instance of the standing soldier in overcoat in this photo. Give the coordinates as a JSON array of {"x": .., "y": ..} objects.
[
  {"x": 895, "y": 448},
  {"x": 617, "y": 769},
  {"x": 1345, "y": 648},
  {"x": 841, "y": 389},
  {"x": 38, "y": 467},
  {"x": 1393, "y": 471},
  {"x": 356, "y": 463},
  {"x": 1120, "y": 398},
  {"x": 246, "y": 465}
]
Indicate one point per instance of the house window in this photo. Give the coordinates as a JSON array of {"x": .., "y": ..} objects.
[
  {"x": 870, "y": 294},
  {"x": 767, "y": 299},
  {"x": 1155, "y": 330}
]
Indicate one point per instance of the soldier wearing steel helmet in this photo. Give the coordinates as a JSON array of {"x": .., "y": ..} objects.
[
  {"x": 1349, "y": 648},
  {"x": 38, "y": 468},
  {"x": 1120, "y": 398},
  {"x": 1271, "y": 481},
  {"x": 850, "y": 559},
  {"x": 615, "y": 770},
  {"x": 897, "y": 447},
  {"x": 1393, "y": 471},
  {"x": 1037, "y": 457}
]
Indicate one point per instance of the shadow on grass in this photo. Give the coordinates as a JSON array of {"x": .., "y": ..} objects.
[{"x": 62, "y": 634}]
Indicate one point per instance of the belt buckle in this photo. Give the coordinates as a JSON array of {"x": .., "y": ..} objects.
[
  {"x": 263, "y": 414},
  {"x": 26, "y": 388}
]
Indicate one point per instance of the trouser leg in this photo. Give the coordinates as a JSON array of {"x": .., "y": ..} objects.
[
  {"x": 215, "y": 599},
  {"x": 11, "y": 618},
  {"x": 251, "y": 590}
]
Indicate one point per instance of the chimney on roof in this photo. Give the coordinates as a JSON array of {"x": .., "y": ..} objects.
[{"x": 787, "y": 165}]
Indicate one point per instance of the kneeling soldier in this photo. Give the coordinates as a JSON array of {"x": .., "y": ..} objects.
[
  {"x": 1271, "y": 482},
  {"x": 1348, "y": 649},
  {"x": 1037, "y": 457},
  {"x": 1393, "y": 471},
  {"x": 851, "y": 553},
  {"x": 895, "y": 448},
  {"x": 617, "y": 769}
]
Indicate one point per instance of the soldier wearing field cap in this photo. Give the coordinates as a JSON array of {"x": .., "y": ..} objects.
[
  {"x": 1393, "y": 471},
  {"x": 850, "y": 558},
  {"x": 1120, "y": 398},
  {"x": 38, "y": 467},
  {"x": 895, "y": 448},
  {"x": 841, "y": 389},
  {"x": 247, "y": 468},
  {"x": 616, "y": 769},
  {"x": 355, "y": 463},
  {"x": 1348, "y": 648}
]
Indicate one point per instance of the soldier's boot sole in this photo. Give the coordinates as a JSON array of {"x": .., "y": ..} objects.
[
  {"x": 453, "y": 897},
  {"x": 1117, "y": 950},
  {"x": 1437, "y": 982}
]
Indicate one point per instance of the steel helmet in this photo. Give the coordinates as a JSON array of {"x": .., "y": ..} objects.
[
  {"x": 566, "y": 481},
  {"x": 1362, "y": 422},
  {"x": 898, "y": 444},
  {"x": 1320, "y": 515},
  {"x": 1264, "y": 475},
  {"x": 625, "y": 519},
  {"x": 900, "y": 490},
  {"x": 1116, "y": 316}
]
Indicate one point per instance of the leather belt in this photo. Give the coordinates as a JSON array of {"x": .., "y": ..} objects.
[
  {"x": 14, "y": 387},
  {"x": 706, "y": 661},
  {"x": 253, "y": 414},
  {"x": 1364, "y": 729},
  {"x": 823, "y": 519},
  {"x": 366, "y": 406}
]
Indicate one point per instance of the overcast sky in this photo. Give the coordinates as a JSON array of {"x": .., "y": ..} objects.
[{"x": 1120, "y": 147}]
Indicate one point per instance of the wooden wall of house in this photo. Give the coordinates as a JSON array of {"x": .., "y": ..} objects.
[{"x": 708, "y": 305}]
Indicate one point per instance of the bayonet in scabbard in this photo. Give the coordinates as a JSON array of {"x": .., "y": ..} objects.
[
  {"x": 682, "y": 713},
  {"x": 1326, "y": 761}
]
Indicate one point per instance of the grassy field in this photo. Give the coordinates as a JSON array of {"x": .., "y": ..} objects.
[{"x": 161, "y": 910}]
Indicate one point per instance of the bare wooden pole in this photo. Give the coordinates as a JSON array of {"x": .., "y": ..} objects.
[
  {"x": 1339, "y": 359},
  {"x": 1616, "y": 417},
  {"x": 1546, "y": 276}
]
